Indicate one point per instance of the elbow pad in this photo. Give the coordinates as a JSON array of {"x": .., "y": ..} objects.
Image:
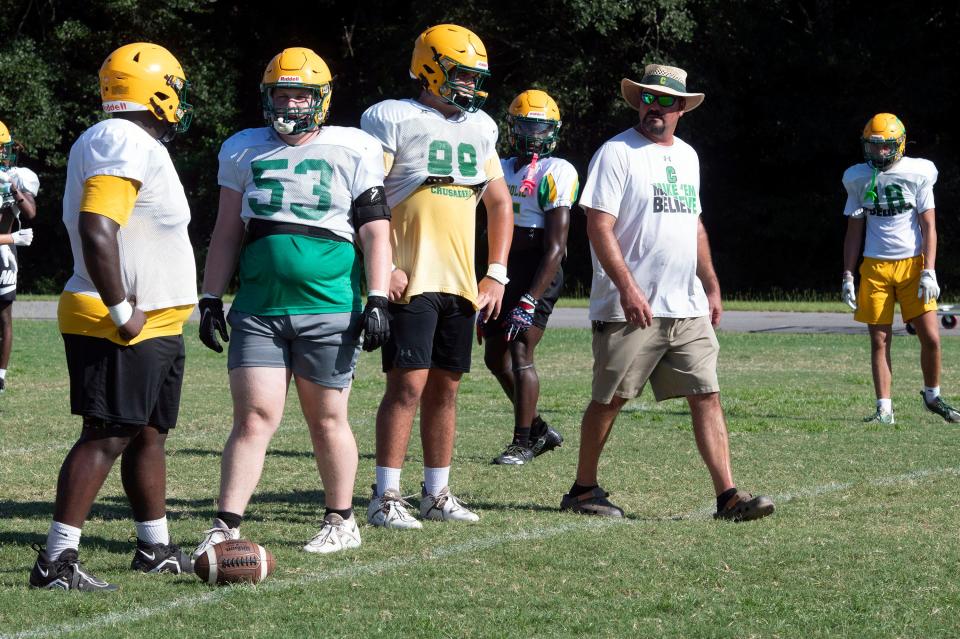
[{"x": 370, "y": 206}]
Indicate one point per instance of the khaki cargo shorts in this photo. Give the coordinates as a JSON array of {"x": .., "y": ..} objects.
[{"x": 678, "y": 356}]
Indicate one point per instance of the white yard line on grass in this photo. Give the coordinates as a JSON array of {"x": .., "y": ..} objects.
[{"x": 473, "y": 545}]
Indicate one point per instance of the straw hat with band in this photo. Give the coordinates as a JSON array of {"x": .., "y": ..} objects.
[{"x": 663, "y": 80}]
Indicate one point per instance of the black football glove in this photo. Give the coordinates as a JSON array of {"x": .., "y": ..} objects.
[
  {"x": 375, "y": 323},
  {"x": 212, "y": 322}
]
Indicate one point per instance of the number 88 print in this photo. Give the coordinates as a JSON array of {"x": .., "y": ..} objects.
[
  {"x": 321, "y": 187},
  {"x": 440, "y": 159}
]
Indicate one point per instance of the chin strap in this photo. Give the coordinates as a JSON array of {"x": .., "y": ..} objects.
[{"x": 528, "y": 187}]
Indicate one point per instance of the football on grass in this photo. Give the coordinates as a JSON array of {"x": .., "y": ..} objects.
[{"x": 234, "y": 561}]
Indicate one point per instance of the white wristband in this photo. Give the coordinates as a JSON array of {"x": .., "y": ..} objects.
[
  {"x": 498, "y": 273},
  {"x": 121, "y": 313},
  {"x": 376, "y": 293},
  {"x": 393, "y": 267}
]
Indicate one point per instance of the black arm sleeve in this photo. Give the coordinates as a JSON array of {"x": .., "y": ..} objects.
[{"x": 370, "y": 206}]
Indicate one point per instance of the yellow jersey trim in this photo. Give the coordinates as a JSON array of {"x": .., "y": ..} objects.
[
  {"x": 111, "y": 196},
  {"x": 79, "y": 314}
]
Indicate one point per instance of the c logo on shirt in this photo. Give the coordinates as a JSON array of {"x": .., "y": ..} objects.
[{"x": 671, "y": 175}]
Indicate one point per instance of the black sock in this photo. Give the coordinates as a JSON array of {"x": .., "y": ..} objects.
[
  {"x": 537, "y": 427},
  {"x": 345, "y": 513},
  {"x": 521, "y": 436},
  {"x": 232, "y": 520},
  {"x": 576, "y": 490},
  {"x": 724, "y": 497}
]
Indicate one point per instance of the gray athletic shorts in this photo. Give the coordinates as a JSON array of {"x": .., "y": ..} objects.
[{"x": 320, "y": 348}]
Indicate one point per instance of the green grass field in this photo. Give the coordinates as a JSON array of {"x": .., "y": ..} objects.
[{"x": 863, "y": 543}]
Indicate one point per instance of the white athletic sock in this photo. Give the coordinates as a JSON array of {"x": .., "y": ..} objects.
[
  {"x": 885, "y": 405},
  {"x": 153, "y": 532},
  {"x": 435, "y": 479},
  {"x": 387, "y": 479},
  {"x": 930, "y": 393},
  {"x": 3, "y": 373},
  {"x": 60, "y": 537}
]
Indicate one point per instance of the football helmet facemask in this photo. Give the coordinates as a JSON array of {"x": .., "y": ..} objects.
[
  {"x": 8, "y": 150},
  {"x": 451, "y": 63},
  {"x": 296, "y": 68},
  {"x": 884, "y": 138},
  {"x": 146, "y": 77},
  {"x": 534, "y": 122}
]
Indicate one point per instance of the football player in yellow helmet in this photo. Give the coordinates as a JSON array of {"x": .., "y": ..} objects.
[
  {"x": 302, "y": 69},
  {"x": 451, "y": 63},
  {"x": 121, "y": 313},
  {"x": 543, "y": 189},
  {"x": 146, "y": 77},
  {"x": 18, "y": 187},
  {"x": 297, "y": 201},
  {"x": 8, "y": 152},
  {"x": 884, "y": 139},
  {"x": 440, "y": 152},
  {"x": 533, "y": 122},
  {"x": 890, "y": 213}
]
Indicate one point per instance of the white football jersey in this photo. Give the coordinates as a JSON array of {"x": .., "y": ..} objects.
[
  {"x": 25, "y": 179},
  {"x": 314, "y": 183},
  {"x": 555, "y": 185},
  {"x": 902, "y": 192},
  {"x": 156, "y": 257},
  {"x": 423, "y": 143}
]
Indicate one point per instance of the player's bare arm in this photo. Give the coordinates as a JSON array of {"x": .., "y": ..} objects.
[
  {"x": 708, "y": 277},
  {"x": 225, "y": 243},
  {"x": 852, "y": 242},
  {"x": 101, "y": 253},
  {"x": 496, "y": 198},
  {"x": 25, "y": 202},
  {"x": 636, "y": 309},
  {"x": 928, "y": 227},
  {"x": 556, "y": 227},
  {"x": 375, "y": 242}
]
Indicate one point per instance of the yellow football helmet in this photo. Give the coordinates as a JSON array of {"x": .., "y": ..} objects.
[
  {"x": 8, "y": 152},
  {"x": 884, "y": 138},
  {"x": 146, "y": 77},
  {"x": 300, "y": 68},
  {"x": 451, "y": 63},
  {"x": 534, "y": 122}
]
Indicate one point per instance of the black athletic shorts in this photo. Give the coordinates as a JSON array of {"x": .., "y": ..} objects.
[
  {"x": 435, "y": 330},
  {"x": 521, "y": 269},
  {"x": 8, "y": 273},
  {"x": 126, "y": 385}
]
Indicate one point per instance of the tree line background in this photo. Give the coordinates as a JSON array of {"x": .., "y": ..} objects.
[{"x": 789, "y": 86}]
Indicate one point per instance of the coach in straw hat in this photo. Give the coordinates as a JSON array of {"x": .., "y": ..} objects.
[{"x": 655, "y": 298}]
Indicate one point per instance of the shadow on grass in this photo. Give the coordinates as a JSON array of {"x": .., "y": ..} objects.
[{"x": 211, "y": 452}]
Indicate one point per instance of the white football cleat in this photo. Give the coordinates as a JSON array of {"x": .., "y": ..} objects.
[
  {"x": 445, "y": 507},
  {"x": 336, "y": 534},
  {"x": 219, "y": 532},
  {"x": 390, "y": 511}
]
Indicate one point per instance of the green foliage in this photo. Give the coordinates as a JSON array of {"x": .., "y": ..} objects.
[{"x": 789, "y": 85}]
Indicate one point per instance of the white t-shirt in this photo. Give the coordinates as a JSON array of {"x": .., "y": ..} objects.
[
  {"x": 904, "y": 191},
  {"x": 424, "y": 143},
  {"x": 556, "y": 184},
  {"x": 654, "y": 192},
  {"x": 156, "y": 258}
]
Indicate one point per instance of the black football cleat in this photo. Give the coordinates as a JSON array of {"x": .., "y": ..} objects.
[
  {"x": 64, "y": 573},
  {"x": 161, "y": 558},
  {"x": 941, "y": 408},
  {"x": 514, "y": 455},
  {"x": 543, "y": 438}
]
